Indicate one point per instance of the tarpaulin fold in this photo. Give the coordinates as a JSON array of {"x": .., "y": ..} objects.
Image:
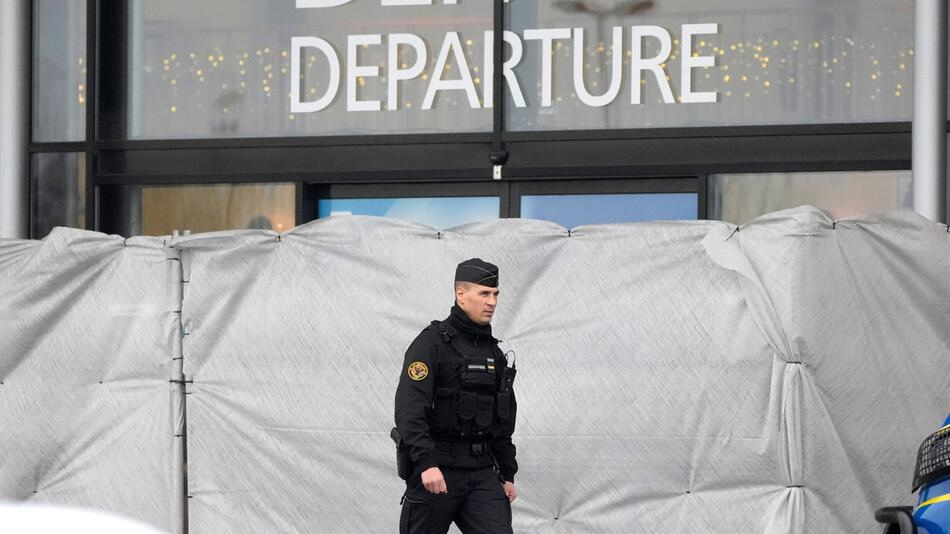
[
  {"x": 633, "y": 411},
  {"x": 86, "y": 326},
  {"x": 684, "y": 377}
]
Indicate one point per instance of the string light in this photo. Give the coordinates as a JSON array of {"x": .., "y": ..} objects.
[{"x": 744, "y": 64}]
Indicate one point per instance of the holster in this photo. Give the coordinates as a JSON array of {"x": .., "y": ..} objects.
[{"x": 403, "y": 460}]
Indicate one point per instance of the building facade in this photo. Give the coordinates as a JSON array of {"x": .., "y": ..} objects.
[{"x": 151, "y": 117}]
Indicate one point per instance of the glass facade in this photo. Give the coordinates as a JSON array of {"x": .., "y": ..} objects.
[
  {"x": 221, "y": 68},
  {"x": 306, "y": 95},
  {"x": 59, "y": 70},
  {"x": 161, "y": 210},
  {"x": 749, "y": 63},
  {"x": 739, "y": 198},
  {"x": 58, "y": 192},
  {"x": 575, "y": 210},
  {"x": 437, "y": 212}
]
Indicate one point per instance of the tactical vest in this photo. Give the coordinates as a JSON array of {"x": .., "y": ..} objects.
[{"x": 473, "y": 399}]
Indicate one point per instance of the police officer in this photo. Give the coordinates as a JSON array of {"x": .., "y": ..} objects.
[{"x": 455, "y": 410}]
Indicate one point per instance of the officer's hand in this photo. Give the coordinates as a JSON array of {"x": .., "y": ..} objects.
[
  {"x": 510, "y": 491},
  {"x": 433, "y": 480}
]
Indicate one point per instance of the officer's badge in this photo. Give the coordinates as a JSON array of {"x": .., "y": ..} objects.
[{"x": 418, "y": 371}]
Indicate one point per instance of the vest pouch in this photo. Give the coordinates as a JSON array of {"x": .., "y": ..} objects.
[
  {"x": 444, "y": 413},
  {"x": 468, "y": 404},
  {"x": 503, "y": 405},
  {"x": 485, "y": 411},
  {"x": 478, "y": 372}
]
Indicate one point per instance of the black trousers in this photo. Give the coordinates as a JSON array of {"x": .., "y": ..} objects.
[{"x": 476, "y": 502}]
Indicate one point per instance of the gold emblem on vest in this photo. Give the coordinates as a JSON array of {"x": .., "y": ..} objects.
[{"x": 418, "y": 371}]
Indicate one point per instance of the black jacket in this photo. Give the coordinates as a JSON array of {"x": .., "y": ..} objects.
[{"x": 432, "y": 365}]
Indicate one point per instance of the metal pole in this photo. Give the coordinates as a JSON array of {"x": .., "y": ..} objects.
[
  {"x": 15, "y": 87},
  {"x": 498, "y": 155},
  {"x": 930, "y": 109}
]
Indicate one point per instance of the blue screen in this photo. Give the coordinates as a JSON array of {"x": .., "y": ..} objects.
[
  {"x": 437, "y": 212},
  {"x": 574, "y": 210}
]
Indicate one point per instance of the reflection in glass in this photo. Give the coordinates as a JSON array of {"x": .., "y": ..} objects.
[
  {"x": 739, "y": 198},
  {"x": 58, "y": 198},
  {"x": 574, "y": 210},
  {"x": 222, "y": 68},
  {"x": 437, "y": 212},
  {"x": 59, "y": 70},
  {"x": 775, "y": 62},
  {"x": 160, "y": 210}
]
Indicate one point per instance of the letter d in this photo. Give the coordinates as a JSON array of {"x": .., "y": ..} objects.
[{"x": 333, "y": 84}]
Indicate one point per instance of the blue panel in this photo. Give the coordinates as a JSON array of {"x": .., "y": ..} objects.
[
  {"x": 437, "y": 212},
  {"x": 574, "y": 210}
]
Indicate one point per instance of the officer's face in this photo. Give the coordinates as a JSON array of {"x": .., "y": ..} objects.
[{"x": 477, "y": 301}]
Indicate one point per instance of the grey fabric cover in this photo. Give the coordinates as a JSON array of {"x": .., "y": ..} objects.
[
  {"x": 87, "y": 412},
  {"x": 673, "y": 377}
]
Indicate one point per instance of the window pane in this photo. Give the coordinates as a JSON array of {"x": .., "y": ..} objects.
[
  {"x": 160, "y": 210},
  {"x": 775, "y": 62},
  {"x": 59, "y": 70},
  {"x": 58, "y": 184},
  {"x": 437, "y": 212},
  {"x": 574, "y": 210},
  {"x": 219, "y": 68},
  {"x": 739, "y": 198}
]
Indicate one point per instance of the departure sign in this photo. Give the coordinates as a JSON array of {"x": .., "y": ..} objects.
[{"x": 346, "y": 72}]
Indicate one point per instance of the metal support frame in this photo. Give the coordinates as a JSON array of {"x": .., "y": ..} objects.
[
  {"x": 15, "y": 87},
  {"x": 92, "y": 108},
  {"x": 930, "y": 109},
  {"x": 179, "y": 384}
]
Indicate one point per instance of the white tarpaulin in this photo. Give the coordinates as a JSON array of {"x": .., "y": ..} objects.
[
  {"x": 679, "y": 377},
  {"x": 859, "y": 311},
  {"x": 89, "y": 417}
]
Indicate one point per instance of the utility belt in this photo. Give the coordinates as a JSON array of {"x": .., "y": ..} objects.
[{"x": 456, "y": 449}]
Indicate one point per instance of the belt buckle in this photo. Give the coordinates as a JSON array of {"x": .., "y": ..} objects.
[{"x": 478, "y": 448}]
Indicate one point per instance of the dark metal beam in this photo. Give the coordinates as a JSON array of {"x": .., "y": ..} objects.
[{"x": 534, "y": 159}]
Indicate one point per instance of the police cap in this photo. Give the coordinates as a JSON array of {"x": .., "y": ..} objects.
[{"x": 478, "y": 272}]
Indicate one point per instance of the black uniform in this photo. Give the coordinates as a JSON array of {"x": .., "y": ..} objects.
[{"x": 455, "y": 409}]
